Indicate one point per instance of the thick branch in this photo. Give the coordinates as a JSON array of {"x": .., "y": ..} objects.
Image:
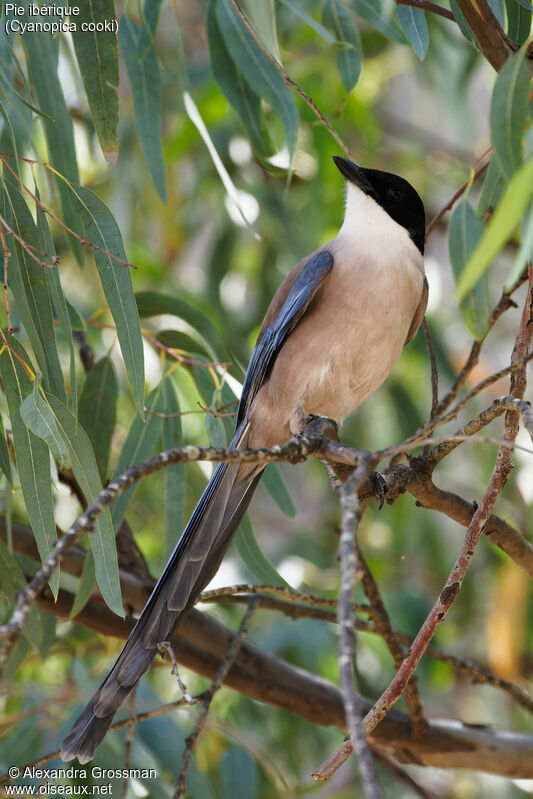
[{"x": 491, "y": 38}]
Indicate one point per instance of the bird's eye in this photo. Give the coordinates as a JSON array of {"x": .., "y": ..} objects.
[{"x": 393, "y": 194}]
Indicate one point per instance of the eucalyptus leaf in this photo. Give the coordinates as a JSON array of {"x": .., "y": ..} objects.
[
  {"x": 98, "y": 408},
  {"x": 349, "y": 48},
  {"x": 464, "y": 235},
  {"x": 414, "y": 25},
  {"x": 380, "y": 14},
  {"x": 39, "y": 418},
  {"x": 254, "y": 559},
  {"x": 102, "y": 230},
  {"x": 508, "y": 111}
]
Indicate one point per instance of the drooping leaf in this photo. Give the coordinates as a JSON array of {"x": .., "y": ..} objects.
[
  {"x": 504, "y": 220},
  {"x": 97, "y": 55},
  {"x": 140, "y": 444},
  {"x": 464, "y": 234},
  {"x": 154, "y": 303},
  {"x": 102, "y": 538},
  {"x": 258, "y": 71},
  {"x": 59, "y": 303},
  {"x": 518, "y": 21},
  {"x": 307, "y": 18},
  {"x": 462, "y": 24},
  {"x": 508, "y": 111},
  {"x": 175, "y": 476},
  {"x": 39, "y": 418},
  {"x": 415, "y": 27},
  {"x": 278, "y": 490},
  {"x": 141, "y": 63},
  {"x": 102, "y": 230},
  {"x": 493, "y": 187},
  {"x": 236, "y": 89},
  {"x": 349, "y": 49},
  {"x": 43, "y": 52},
  {"x": 254, "y": 559},
  {"x": 28, "y": 283},
  {"x": 380, "y": 14},
  {"x": 86, "y": 586},
  {"x": 31, "y": 454},
  {"x": 263, "y": 17},
  {"x": 97, "y": 410},
  {"x": 5, "y": 460}
]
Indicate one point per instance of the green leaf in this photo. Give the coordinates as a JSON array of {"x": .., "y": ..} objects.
[
  {"x": 85, "y": 470},
  {"x": 98, "y": 408},
  {"x": 235, "y": 88},
  {"x": 86, "y": 586},
  {"x": 38, "y": 417},
  {"x": 30, "y": 290},
  {"x": 102, "y": 230},
  {"x": 31, "y": 454},
  {"x": 76, "y": 320},
  {"x": 524, "y": 252},
  {"x": 97, "y": 55},
  {"x": 154, "y": 303},
  {"x": 5, "y": 460},
  {"x": 263, "y": 17},
  {"x": 493, "y": 187},
  {"x": 462, "y": 24},
  {"x": 518, "y": 21},
  {"x": 277, "y": 489},
  {"x": 11, "y": 575},
  {"x": 254, "y": 559},
  {"x": 143, "y": 69},
  {"x": 175, "y": 339},
  {"x": 59, "y": 303},
  {"x": 498, "y": 9},
  {"x": 502, "y": 223},
  {"x": 139, "y": 445},
  {"x": 464, "y": 235},
  {"x": 43, "y": 54},
  {"x": 380, "y": 14},
  {"x": 415, "y": 27},
  {"x": 238, "y": 774},
  {"x": 320, "y": 29},
  {"x": 258, "y": 71},
  {"x": 175, "y": 476},
  {"x": 508, "y": 111},
  {"x": 349, "y": 49}
]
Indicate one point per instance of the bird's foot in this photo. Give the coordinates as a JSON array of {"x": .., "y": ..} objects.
[{"x": 380, "y": 487}]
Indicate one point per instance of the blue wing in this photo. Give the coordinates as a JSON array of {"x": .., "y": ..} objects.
[{"x": 297, "y": 302}]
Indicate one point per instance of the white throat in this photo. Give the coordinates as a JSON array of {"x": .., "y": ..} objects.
[{"x": 364, "y": 217}]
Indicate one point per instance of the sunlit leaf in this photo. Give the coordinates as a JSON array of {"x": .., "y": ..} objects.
[
  {"x": 524, "y": 253},
  {"x": 349, "y": 49},
  {"x": 102, "y": 230},
  {"x": 97, "y": 410},
  {"x": 31, "y": 454},
  {"x": 415, "y": 27},
  {"x": 502, "y": 224},
  {"x": 508, "y": 111},
  {"x": 39, "y": 418},
  {"x": 97, "y": 56},
  {"x": 85, "y": 469},
  {"x": 464, "y": 234}
]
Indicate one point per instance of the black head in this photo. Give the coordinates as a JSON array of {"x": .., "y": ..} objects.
[{"x": 394, "y": 194}]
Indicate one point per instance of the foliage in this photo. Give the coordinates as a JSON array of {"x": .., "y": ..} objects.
[{"x": 134, "y": 293}]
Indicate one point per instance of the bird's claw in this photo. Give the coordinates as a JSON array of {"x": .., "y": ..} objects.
[{"x": 380, "y": 487}]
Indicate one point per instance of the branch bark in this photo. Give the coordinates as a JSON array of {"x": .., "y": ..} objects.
[{"x": 490, "y": 36}]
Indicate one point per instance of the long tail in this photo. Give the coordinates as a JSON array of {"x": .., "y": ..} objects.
[{"x": 191, "y": 566}]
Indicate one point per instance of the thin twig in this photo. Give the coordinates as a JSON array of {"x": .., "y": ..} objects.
[
  {"x": 165, "y": 647},
  {"x": 427, "y": 6},
  {"x": 222, "y": 671},
  {"x": 348, "y": 557}
]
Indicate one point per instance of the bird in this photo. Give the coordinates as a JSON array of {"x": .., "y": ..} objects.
[{"x": 331, "y": 335}]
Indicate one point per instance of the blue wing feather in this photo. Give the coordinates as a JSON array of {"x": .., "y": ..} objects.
[{"x": 298, "y": 299}]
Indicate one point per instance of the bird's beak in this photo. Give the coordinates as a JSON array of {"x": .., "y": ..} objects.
[{"x": 354, "y": 173}]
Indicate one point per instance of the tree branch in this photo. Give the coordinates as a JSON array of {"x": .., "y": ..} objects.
[{"x": 490, "y": 36}]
